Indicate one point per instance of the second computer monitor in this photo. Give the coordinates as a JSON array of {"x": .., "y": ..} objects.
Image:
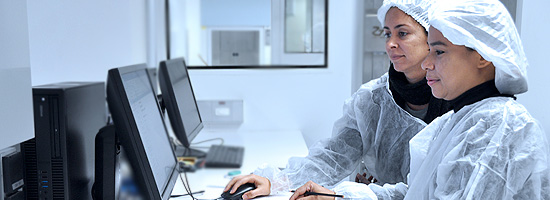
[
  {"x": 141, "y": 131},
  {"x": 178, "y": 96}
]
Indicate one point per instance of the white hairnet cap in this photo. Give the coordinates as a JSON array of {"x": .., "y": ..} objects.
[
  {"x": 417, "y": 9},
  {"x": 487, "y": 27}
]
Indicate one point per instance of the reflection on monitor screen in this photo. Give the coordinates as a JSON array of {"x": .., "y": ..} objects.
[
  {"x": 141, "y": 130},
  {"x": 178, "y": 96}
]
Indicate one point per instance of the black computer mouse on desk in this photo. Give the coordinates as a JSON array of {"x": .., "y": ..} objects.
[{"x": 239, "y": 192}]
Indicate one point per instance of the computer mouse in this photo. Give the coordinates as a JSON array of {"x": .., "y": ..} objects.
[{"x": 239, "y": 192}]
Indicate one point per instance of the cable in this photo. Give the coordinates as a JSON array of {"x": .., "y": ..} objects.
[
  {"x": 186, "y": 183},
  {"x": 199, "y": 147},
  {"x": 191, "y": 193},
  {"x": 177, "y": 142},
  {"x": 188, "y": 187},
  {"x": 181, "y": 195},
  {"x": 188, "y": 191},
  {"x": 206, "y": 147},
  {"x": 209, "y": 141}
]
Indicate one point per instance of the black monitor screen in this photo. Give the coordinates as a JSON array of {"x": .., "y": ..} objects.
[
  {"x": 178, "y": 96},
  {"x": 141, "y": 130}
]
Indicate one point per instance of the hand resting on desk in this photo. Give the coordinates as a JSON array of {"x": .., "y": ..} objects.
[
  {"x": 262, "y": 185},
  {"x": 310, "y": 186}
]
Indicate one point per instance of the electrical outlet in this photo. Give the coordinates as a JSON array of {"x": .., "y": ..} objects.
[{"x": 221, "y": 112}]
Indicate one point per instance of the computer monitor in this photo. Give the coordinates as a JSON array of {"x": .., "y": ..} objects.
[
  {"x": 179, "y": 99},
  {"x": 141, "y": 131}
]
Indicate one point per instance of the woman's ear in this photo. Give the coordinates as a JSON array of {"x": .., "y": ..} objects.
[
  {"x": 483, "y": 63},
  {"x": 486, "y": 68}
]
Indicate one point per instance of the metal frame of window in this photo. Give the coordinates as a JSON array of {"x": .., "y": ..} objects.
[{"x": 325, "y": 65}]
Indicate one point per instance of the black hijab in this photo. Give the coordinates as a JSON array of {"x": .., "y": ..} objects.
[
  {"x": 417, "y": 94},
  {"x": 477, "y": 93}
]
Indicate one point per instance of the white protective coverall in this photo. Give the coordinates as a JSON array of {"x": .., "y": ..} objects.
[
  {"x": 491, "y": 149},
  {"x": 373, "y": 128},
  {"x": 366, "y": 131}
]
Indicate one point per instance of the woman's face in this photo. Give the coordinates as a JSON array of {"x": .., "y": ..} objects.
[
  {"x": 451, "y": 69},
  {"x": 405, "y": 43}
]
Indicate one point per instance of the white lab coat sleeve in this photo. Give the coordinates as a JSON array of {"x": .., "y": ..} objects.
[
  {"x": 389, "y": 191},
  {"x": 278, "y": 180},
  {"x": 326, "y": 164},
  {"x": 329, "y": 161},
  {"x": 352, "y": 190},
  {"x": 512, "y": 166},
  {"x": 366, "y": 131},
  {"x": 332, "y": 159},
  {"x": 492, "y": 149}
]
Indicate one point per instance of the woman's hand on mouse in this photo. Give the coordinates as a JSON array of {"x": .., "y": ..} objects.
[{"x": 263, "y": 186}]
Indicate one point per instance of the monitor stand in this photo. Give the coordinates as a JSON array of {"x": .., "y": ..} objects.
[
  {"x": 107, "y": 155},
  {"x": 189, "y": 152}
]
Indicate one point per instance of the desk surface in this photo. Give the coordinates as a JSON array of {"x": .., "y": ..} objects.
[{"x": 272, "y": 147}]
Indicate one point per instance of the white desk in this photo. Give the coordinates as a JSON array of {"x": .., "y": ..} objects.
[{"x": 273, "y": 147}]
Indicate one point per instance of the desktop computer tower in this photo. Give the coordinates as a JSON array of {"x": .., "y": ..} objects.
[{"x": 59, "y": 161}]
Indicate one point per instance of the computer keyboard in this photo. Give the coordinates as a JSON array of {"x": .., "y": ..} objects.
[{"x": 221, "y": 156}]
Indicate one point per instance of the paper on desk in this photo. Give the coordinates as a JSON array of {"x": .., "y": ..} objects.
[
  {"x": 212, "y": 193},
  {"x": 282, "y": 196},
  {"x": 215, "y": 192},
  {"x": 209, "y": 193}
]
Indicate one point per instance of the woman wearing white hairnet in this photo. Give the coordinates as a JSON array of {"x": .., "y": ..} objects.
[
  {"x": 488, "y": 146},
  {"x": 378, "y": 120}
]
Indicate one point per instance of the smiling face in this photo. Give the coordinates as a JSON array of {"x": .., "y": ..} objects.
[
  {"x": 452, "y": 69},
  {"x": 405, "y": 43}
]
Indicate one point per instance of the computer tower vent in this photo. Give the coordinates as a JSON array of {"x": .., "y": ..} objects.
[
  {"x": 58, "y": 186},
  {"x": 31, "y": 169}
]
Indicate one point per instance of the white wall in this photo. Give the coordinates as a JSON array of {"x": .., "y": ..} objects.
[
  {"x": 536, "y": 43},
  {"x": 309, "y": 100},
  {"x": 81, "y": 40}
]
